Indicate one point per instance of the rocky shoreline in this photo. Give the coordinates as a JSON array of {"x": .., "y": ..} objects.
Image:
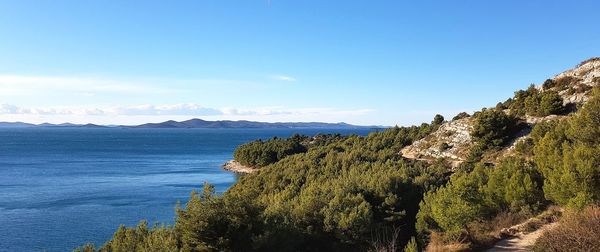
[{"x": 236, "y": 167}]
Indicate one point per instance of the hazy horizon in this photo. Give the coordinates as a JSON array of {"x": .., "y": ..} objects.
[{"x": 189, "y": 119}]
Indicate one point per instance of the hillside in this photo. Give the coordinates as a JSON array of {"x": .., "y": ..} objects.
[
  {"x": 453, "y": 139},
  {"x": 199, "y": 123},
  {"x": 16, "y": 125},
  {"x": 455, "y": 135},
  {"x": 391, "y": 191}
]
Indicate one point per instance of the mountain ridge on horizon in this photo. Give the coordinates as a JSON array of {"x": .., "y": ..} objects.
[{"x": 197, "y": 123}]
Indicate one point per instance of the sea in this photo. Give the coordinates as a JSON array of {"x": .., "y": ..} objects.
[{"x": 63, "y": 187}]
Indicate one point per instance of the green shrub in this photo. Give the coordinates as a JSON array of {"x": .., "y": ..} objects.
[
  {"x": 141, "y": 238},
  {"x": 565, "y": 82},
  {"x": 512, "y": 185},
  {"x": 525, "y": 147},
  {"x": 518, "y": 102},
  {"x": 550, "y": 104},
  {"x": 437, "y": 120},
  {"x": 532, "y": 103},
  {"x": 450, "y": 208},
  {"x": 535, "y": 103},
  {"x": 461, "y": 115},
  {"x": 88, "y": 247},
  {"x": 444, "y": 146},
  {"x": 568, "y": 155},
  {"x": 548, "y": 84},
  {"x": 262, "y": 153},
  {"x": 411, "y": 246},
  {"x": 212, "y": 223},
  {"x": 493, "y": 128}
]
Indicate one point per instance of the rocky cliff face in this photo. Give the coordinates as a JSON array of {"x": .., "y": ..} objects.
[
  {"x": 575, "y": 84},
  {"x": 453, "y": 139}
]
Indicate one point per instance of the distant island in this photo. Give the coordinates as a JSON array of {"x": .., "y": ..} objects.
[
  {"x": 519, "y": 176},
  {"x": 199, "y": 124}
]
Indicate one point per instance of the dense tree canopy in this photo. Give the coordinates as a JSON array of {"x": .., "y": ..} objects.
[
  {"x": 511, "y": 185},
  {"x": 335, "y": 193},
  {"x": 559, "y": 164},
  {"x": 568, "y": 154},
  {"x": 261, "y": 153},
  {"x": 332, "y": 195},
  {"x": 494, "y": 128},
  {"x": 533, "y": 102}
]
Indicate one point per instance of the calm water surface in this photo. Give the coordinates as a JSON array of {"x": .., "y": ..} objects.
[{"x": 62, "y": 187}]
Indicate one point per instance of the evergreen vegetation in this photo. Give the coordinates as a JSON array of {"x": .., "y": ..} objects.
[
  {"x": 568, "y": 155},
  {"x": 262, "y": 153},
  {"x": 334, "y": 193},
  {"x": 333, "y": 196},
  {"x": 535, "y": 103},
  {"x": 494, "y": 128},
  {"x": 565, "y": 170},
  {"x": 259, "y": 153},
  {"x": 511, "y": 185}
]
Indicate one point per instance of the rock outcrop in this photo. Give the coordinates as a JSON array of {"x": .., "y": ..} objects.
[
  {"x": 452, "y": 140},
  {"x": 236, "y": 167},
  {"x": 578, "y": 82}
]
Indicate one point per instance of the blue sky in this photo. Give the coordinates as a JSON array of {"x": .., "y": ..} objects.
[{"x": 362, "y": 62}]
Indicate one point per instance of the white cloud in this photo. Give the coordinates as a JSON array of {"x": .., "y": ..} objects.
[
  {"x": 283, "y": 78},
  {"x": 90, "y": 86},
  {"x": 54, "y": 91},
  {"x": 265, "y": 111},
  {"x": 183, "y": 109},
  {"x": 12, "y": 109},
  {"x": 20, "y": 84},
  {"x": 282, "y": 111},
  {"x": 175, "y": 109}
]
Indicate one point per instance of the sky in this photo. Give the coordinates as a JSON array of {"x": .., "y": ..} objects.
[{"x": 361, "y": 62}]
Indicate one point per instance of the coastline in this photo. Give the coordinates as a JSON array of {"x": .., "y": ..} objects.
[{"x": 236, "y": 167}]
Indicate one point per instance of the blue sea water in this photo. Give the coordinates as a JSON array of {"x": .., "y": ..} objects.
[{"x": 62, "y": 187}]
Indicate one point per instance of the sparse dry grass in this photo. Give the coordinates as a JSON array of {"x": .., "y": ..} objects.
[
  {"x": 565, "y": 82},
  {"x": 442, "y": 243},
  {"x": 484, "y": 234},
  {"x": 385, "y": 240},
  {"x": 577, "y": 231}
]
